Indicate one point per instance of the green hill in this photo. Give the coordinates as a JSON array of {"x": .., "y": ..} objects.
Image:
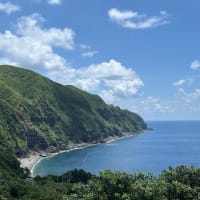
[{"x": 39, "y": 114}]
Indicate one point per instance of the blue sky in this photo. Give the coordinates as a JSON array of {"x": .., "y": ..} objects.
[{"x": 143, "y": 55}]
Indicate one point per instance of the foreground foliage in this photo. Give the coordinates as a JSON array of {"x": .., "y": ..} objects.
[{"x": 181, "y": 183}]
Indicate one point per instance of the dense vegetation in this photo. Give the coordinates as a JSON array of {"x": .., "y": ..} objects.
[
  {"x": 37, "y": 113},
  {"x": 181, "y": 183}
]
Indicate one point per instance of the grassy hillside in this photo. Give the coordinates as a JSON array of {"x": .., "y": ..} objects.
[{"x": 37, "y": 113}]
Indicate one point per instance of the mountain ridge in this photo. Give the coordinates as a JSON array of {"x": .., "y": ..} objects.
[{"x": 39, "y": 114}]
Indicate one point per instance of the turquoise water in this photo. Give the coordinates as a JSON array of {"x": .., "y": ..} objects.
[{"x": 171, "y": 143}]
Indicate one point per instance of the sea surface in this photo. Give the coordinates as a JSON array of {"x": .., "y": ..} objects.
[{"x": 171, "y": 143}]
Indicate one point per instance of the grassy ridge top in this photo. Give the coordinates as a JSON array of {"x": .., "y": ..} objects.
[{"x": 37, "y": 113}]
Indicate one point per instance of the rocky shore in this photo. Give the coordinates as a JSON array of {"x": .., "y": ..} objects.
[{"x": 34, "y": 157}]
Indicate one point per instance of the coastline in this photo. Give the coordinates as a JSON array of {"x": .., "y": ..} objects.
[{"x": 33, "y": 157}]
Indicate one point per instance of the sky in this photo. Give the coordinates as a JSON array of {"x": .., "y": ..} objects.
[{"x": 141, "y": 55}]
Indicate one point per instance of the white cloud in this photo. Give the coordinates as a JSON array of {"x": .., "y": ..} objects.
[
  {"x": 50, "y": 2},
  {"x": 111, "y": 77},
  {"x": 182, "y": 82},
  {"x": 163, "y": 109},
  {"x": 108, "y": 96},
  {"x": 112, "y": 74},
  {"x": 31, "y": 27},
  {"x": 195, "y": 64},
  {"x": 9, "y": 8},
  {"x": 154, "y": 105},
  {"x": 31, "y": 45},
  {"x": 84, "y": 47},
  {"x": 54, "y": 2},
  {"x": 89, "y": 83},
  {"x": 190, "y": 101},
  {"x": 89, "y": 54},
  {"x": 134, "y": 20},
  {"x": 188, "y": 96},
  {"x": 116, "y": 14}
]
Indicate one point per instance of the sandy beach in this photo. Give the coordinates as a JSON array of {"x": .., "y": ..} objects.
[{"x": 29, "y": 161}]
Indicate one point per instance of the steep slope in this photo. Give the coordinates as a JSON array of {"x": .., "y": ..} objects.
[{"x": 37, "y": 113}]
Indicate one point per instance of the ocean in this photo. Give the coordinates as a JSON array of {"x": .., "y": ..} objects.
[{"x": 170, "y": 143}]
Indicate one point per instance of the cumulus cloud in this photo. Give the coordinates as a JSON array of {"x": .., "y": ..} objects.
[
  {"x": 112, "y": 74},
  {"x": 54, "y": 2},
  {"x": 134, "y": 20},
  {"x": 195, "y": 64},
  {"x": 31, "y": 27},
  {"x": 182, "y": 82},
  {"x": 32, "y": 46},
  {"x": 9, "y": 8},
  {"x": 106, "y": 77}
]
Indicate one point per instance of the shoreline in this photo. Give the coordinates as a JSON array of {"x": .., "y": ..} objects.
[{"x": 33, "y": 157}]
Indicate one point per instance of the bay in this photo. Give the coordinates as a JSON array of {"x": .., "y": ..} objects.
[{"x": 171, "y": 143}]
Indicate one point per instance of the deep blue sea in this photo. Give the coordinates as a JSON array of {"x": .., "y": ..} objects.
[{"x": 171, "y": 143}]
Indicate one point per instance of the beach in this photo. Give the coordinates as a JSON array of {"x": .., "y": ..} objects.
[{"x": 30, "y": 160}]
